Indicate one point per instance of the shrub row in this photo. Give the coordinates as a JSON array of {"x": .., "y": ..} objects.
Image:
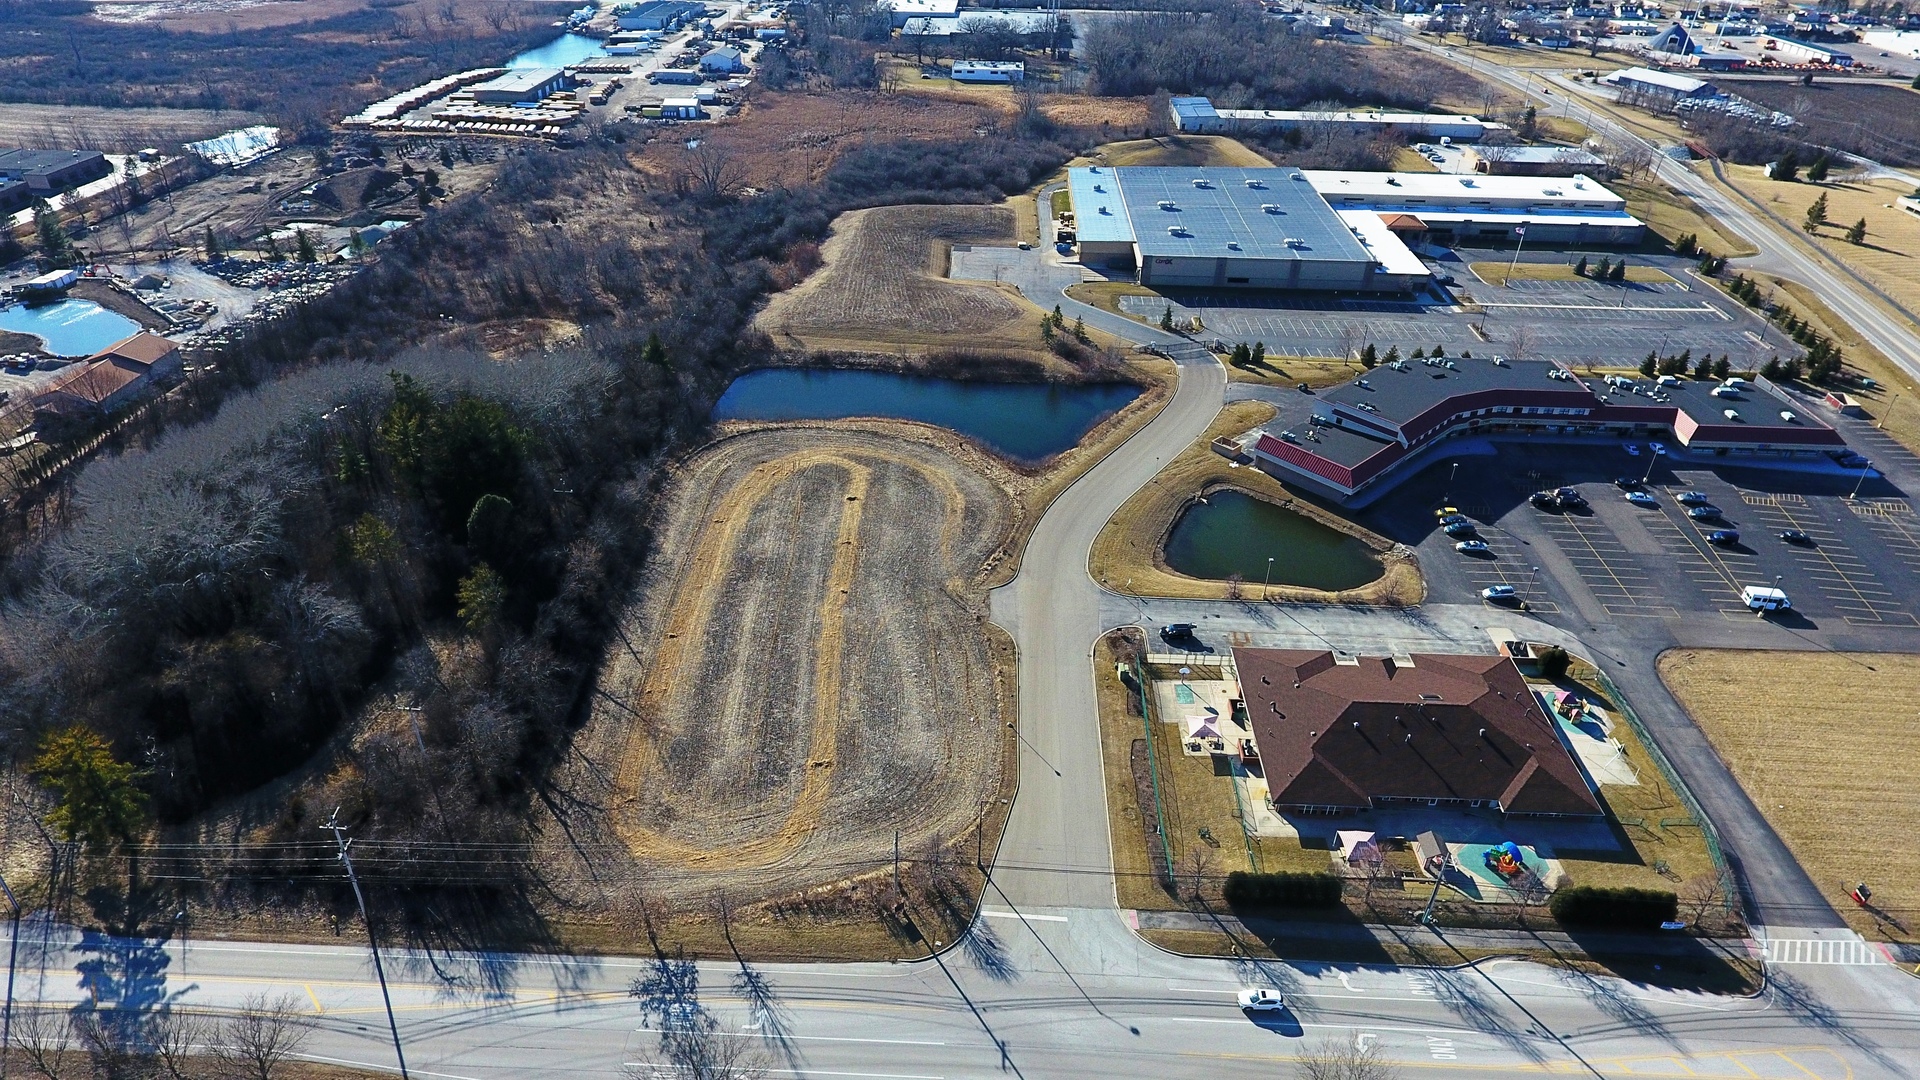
[
  {"x": 1244, "y": 890},
  {"x": 1621, "y": 909}
]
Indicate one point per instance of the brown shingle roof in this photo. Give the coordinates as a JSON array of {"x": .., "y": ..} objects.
[
  {"x": 90, "y": 384},
  {"x": 1442, "y": 727},
  {"x": 144, "y": 348}
]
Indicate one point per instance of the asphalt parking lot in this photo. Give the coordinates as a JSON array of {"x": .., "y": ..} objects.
[
  {"x": 1617, "y": 562},
  {"x": 1574, "y": 321}
]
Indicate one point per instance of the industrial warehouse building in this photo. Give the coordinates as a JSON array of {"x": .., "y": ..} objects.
[
  {"x": 516, "y": 87},
  {"x": 1261, "y": 228},
  {"x": 1534, "y": 161},
  {"x": 1791, "y": 51},
  {"x": 1365, "y": 435},
  {"x": 1197, "y": 115},
  {"x": 1487, "y": 209},
  {"x": 48, "y": 172},
  {"x": 661, "y": 15},
  {"x": 1655, "y": 85}
]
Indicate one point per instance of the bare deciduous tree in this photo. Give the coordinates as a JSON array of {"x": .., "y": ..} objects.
[
  {"x": 1344, "y": 1059},
  {"x": 176, "y": 1038},
  {"x": 44, "y": 1039},
  {"x": 709, "y": 172},
  {"x": 1701, "y": 895},
  {"x": 258, "y": 1039},
  {"x": 1519, "y": 343}
]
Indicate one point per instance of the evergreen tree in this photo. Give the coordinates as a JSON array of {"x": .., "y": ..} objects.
[
  {"x": 1418, "y": 353},
  {"x": 1059, "y": 320},
  {"x": 1580, "y": 268},
  {"x": 1393, "y": 355},
  {"x": 1817, "y": 172},
  {"x": 1079, "y": 329},
  {"x": 1816, "y": 214},
  {"x": 1242, "y": 355},
  {"x": 212, "y": 244},
  {"x": 273, "y": 249},
  {"x": 1606, "y": 267},
  {"x": 1857, "y": 234},
  {"x": 1722, "y": 367},
  {"x": 1166, "y": 319},
  {"x": 1368, "y": 357},
  {"x": 654, "y": 353},
  {"x": 1770, "y": 370},
  {"x": 1619, "y": 272},
  {"x": 1704, "y": 369},
  {"x": 1259, "y": 354},
  {"x": 357, "y": 244},
  {"x": 1787, "y": 169},
  {"x": 96, "y": 798},
  {"x": 304, "y": 246},
  {"x": 1438, "y": 352},
  {"x": 1651, "y": 365},
  {"x": 54, "y": 242}
]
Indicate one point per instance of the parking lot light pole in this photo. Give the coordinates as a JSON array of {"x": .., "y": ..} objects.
[
  {"x": 1858, "y": 484},
  {"x": 1531, "y": 578},
  {"x": 1455, "y": 471},
  {"x": 1652, "y": 457}
]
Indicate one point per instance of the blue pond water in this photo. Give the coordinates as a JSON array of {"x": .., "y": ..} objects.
[
  {"x": 1024, "y": 421},
  {"x": 563, "y": 51},
  {"x": 69, "y": 327}
]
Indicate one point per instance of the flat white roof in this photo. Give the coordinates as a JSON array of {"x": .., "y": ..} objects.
[
  {"x": 1652, "y": 77},
  {"x": 1903, "y": 42},
  {"x": 924, "y": 7},
  {"x": 1387, "y": 249},
  {"x": 1462, "y": 189},
  {"x": 1351, "y": 117}
]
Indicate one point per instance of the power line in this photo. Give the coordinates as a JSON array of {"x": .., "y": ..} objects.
[{"x": 333, "y": 824}]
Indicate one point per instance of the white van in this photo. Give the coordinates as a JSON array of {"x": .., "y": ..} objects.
[{"x": 1761, "y": 600}]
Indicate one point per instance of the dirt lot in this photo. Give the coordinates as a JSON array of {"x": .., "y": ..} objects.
[
  {"x": 883, "y": 286},
  {"x": 804, "y": 670},
  {"x": 1818, "y": 741},
  {"x": 218, "y": 16},
  {"x": 1879, "y": 122},
  {"x": 65, "y": 127},
  {"x": 1890, "y": 257},
  {"x": 1129, "y": 548},
  {"x": 790, "y": 138}
]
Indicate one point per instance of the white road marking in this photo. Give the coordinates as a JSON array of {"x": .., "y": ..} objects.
[
  {"x": 991, "y": 914},
  {"x": 755, "y": 1034},
  {"x": 800, "y": 1072},
  {"x": 1344, "y": 982},
  {"x": 323, "y": 1059},
  {"x": 1331, "y": 1027}
]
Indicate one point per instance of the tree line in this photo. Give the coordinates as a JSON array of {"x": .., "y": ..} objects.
[{"x": 389, "y": 570}]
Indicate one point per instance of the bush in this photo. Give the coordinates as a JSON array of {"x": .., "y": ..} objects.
[
  {"x": 1257, "y": 891},
  {"x": 1619, "y": 909},
  {"x": 1554, "y": 661}
]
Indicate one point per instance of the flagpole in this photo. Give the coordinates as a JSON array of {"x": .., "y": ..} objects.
[{"x": 1520, "y": 231}]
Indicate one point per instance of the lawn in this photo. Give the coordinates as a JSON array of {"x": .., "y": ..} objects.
[
  {"x": 1820, "y": 742},
  {"x": 1496, "y": 273},
  {"x": 1126, "y": 554},
  {"x": 1890, "y": 256}
]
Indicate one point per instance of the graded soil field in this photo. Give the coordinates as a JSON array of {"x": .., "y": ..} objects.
[
  {"x": 64, "y": 127},
  {"x": 884, "y": 286},
  {"x": 805, "y": 670},
  {"x": 1820, "y": 742}
]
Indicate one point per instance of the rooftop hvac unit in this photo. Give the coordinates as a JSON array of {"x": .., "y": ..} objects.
[
  {"x": 1295, "y": 242},
  {"x": 1233, "y": 245},
  {"x": 1271, "y": 208},
  {"x": 1298, "y": 176},
  {"x": 1176, "y": 230},
  {"x": 1730, "y": 414},
  {"x": 1202, "y": 182},
  {"x": 1258, "y": 184},
  {"x": 1787, "y": 415},
  {"x": 1167, "y": 204}
]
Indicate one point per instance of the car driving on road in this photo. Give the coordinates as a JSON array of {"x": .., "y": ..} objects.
[{"x": 1261, "y": 999}]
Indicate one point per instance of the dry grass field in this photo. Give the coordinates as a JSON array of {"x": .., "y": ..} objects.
[
  {"x": 1127, "y": 553},
  {"x": 1880, "y": 122},
  {"x": 1820, "y": 743},
  {"x": 883, "y": 287},
  {"x": 1176, "y": 150},
  {"x": 1890, "y": 257},
  {"x": 63, "y": 127},
  {"x": 790, "y": 138}
]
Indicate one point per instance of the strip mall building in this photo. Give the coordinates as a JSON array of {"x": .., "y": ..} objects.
[{"x": 1365, "y": 435}]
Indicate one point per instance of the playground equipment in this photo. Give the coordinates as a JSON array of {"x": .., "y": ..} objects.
[{"x": 1505, "y": 860}]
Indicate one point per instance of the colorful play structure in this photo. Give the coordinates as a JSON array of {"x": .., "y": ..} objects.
[{"x": 1505, "y": 860}]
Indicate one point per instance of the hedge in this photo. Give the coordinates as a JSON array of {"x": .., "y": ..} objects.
[
  {"x": 1623, "y": 909},
  {"x": 1244, "y": 890}
]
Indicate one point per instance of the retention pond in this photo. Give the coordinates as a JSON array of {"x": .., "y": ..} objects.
[
  {"x": 1234, "y": 533},
  {"x": 69, "y": 327},
  {"x": 1024, "y": 421}
]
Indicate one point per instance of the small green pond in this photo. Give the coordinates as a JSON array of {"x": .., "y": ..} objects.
[{"x": 1235, "y": 533}]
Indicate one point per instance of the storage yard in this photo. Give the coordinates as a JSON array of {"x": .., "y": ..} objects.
[{"x": 805, "y": 669}]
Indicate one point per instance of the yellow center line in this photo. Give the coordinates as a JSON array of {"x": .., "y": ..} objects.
[{"x": 318, "y": 1009}]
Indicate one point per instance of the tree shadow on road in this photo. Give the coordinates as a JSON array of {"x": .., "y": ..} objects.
[
  {"x": 1797, "y": 999},
  {"x": 987, "y": 952}
]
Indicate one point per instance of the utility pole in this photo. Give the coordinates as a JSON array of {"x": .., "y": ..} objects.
[
  {"x": 1266, "y": 583},
  {"x": 896, "y": 865},
  {"x": 373, "y": 944},
  {"x": 13, "y": 953}
]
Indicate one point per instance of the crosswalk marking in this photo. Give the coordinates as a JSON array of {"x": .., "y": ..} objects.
[{"x": 1848, "y": 952}]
